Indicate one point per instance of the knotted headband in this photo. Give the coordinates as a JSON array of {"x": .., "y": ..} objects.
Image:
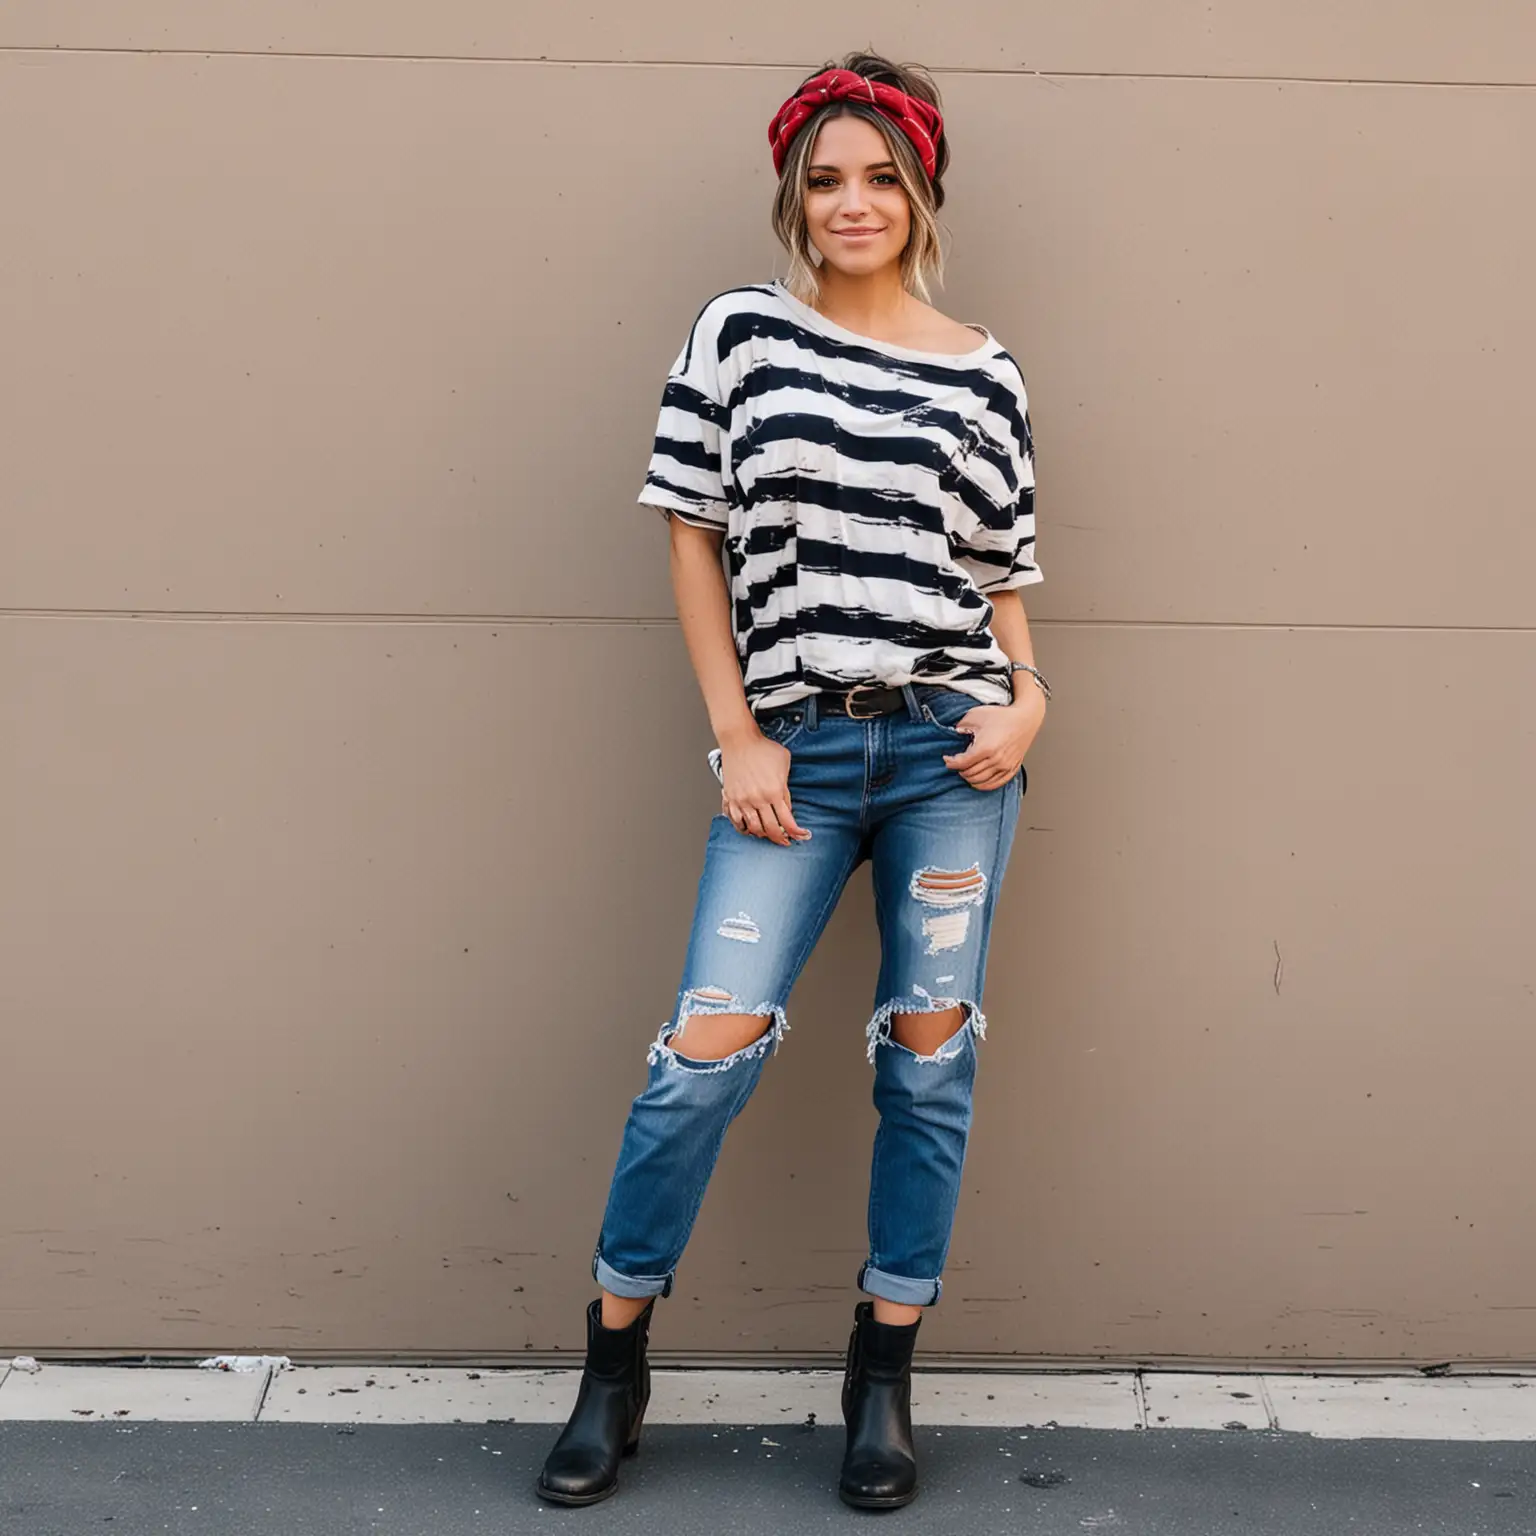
[{"x": 918, "y": 119}]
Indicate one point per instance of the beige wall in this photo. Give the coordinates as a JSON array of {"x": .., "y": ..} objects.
[{"x": 351, "y": 778}]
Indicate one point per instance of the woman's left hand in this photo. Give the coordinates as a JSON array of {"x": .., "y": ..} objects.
[{"x": 1001, "y": 735}]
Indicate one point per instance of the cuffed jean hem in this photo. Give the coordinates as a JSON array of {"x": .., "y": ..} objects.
[
  {"x": 633, "y": 1286},
  {"x": 899, "y": 1288}
]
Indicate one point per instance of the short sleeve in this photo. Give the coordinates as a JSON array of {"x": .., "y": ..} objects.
[
  {"x": 997, "y": 545},
  {"x": 685, "y": 475}
]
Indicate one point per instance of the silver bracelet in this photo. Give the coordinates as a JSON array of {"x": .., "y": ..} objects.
[{"x": 1039, "y": 677}]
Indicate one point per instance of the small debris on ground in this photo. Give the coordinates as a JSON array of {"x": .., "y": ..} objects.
[{"x": 245, "y": 1363}]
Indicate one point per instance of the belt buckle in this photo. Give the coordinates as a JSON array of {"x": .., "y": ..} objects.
[{"x": 860, "y": 688}]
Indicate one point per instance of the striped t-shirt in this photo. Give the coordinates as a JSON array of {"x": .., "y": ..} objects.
[{"x": 870, "y": 496}]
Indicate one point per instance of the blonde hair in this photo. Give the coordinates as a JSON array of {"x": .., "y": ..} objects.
[{"x": 922, "y": 260}]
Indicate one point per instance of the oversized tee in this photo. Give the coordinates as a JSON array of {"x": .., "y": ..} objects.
[{"x": 870, "y": 495}]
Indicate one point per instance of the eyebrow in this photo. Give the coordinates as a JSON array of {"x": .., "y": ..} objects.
[{"x": 879, "y": 165}]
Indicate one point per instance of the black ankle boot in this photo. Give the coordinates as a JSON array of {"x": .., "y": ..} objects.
[
  {"x": 615, "y": 1386},
  {"x": 879, "y": 1465}
]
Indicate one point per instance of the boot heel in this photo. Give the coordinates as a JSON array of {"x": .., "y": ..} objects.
[{"x": 632, "y": 1447}]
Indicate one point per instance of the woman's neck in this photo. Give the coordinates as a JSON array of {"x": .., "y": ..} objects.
[{"x": 873, "y": 304}]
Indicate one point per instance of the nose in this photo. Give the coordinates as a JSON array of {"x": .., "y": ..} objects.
[{"x": 855, "y": 198}]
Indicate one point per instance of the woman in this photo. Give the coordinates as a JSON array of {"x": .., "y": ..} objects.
[{"x": 867, "y": 467}]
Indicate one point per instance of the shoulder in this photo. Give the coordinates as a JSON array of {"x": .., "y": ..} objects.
[
  {"x": 718, "y": 325},
  {"x": 942, "y": 334},
  {"x": 996, "y": 363},
  {"x": 937, "y": 332},
  {"x": 724, "y": 307},
  {"x": 744, "y": 298},
  {"x": 1008, "y": 372},
  {"x": 1007, "y": 398}
]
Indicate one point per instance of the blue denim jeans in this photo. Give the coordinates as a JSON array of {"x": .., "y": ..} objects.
[{"x": 874, "y": 789}]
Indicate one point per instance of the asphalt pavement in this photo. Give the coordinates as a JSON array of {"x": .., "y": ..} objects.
[{"x": 279, "y": 1479}]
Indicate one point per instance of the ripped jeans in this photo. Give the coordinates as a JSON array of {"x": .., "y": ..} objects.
[{"x": 875, "y": 789}]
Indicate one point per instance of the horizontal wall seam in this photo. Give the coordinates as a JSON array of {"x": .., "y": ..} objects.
[
  {"x": 189, "y": 616},
  {"x": 541, "y": 59}
]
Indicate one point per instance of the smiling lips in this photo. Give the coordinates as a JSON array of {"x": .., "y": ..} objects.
[{"x": 861, "y": 232}]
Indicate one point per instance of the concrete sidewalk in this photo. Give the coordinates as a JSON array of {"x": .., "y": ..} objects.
[
  {"x": 286, "y": 1479},
  {"x": 1404, "y": 1407}
]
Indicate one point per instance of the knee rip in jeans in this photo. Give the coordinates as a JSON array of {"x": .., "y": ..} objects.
[
  {"x": 973, "y": 1022},
  {"x": 715, "y": 1001}
]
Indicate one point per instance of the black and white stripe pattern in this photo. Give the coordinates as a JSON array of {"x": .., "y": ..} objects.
[{"x": 870, "y": 495}]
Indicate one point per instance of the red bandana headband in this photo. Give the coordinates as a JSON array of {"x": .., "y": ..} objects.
[{"x": 918, "y": 119}]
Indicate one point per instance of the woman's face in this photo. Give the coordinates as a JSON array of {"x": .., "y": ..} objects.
[{"x": 855, "y": 207}]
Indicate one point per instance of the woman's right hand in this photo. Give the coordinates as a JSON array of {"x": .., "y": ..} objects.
[{"x": 754, "y": 791}]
